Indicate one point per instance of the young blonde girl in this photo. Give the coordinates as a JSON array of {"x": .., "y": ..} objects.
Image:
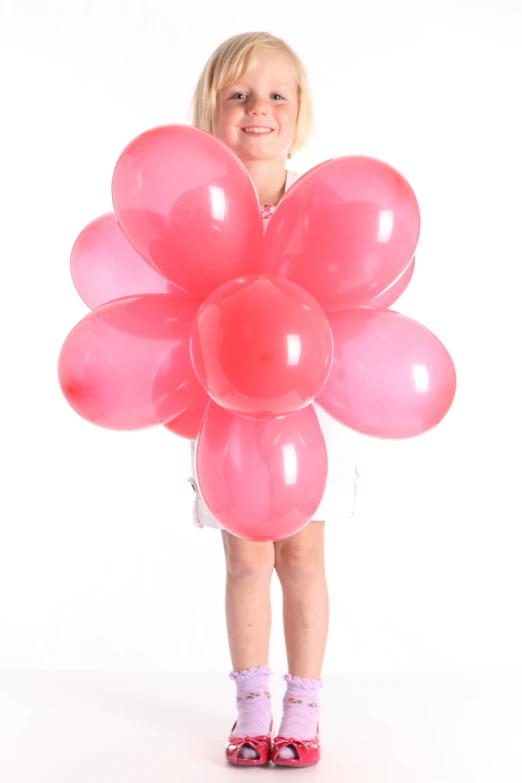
[{"x": 253, "y": 94}]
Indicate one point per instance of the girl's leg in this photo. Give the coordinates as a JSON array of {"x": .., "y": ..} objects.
[
  {"x": 250, "y": 566},
  {"x": 299, "y": 562},
  {"x": 301, "y": 571}
]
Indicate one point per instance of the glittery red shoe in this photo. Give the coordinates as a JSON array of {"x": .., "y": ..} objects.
[
  {"x": 262, "y": 744},
  {"x": 308, "y": 751}
]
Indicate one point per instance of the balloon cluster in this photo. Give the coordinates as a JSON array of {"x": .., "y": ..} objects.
[{"x": 202, "y": 323}]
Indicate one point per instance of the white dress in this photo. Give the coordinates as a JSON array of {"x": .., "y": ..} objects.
[{"x": 338, "y": 501}]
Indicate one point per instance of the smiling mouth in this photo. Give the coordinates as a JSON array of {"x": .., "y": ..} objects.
[{"x": 257, "y": 131}]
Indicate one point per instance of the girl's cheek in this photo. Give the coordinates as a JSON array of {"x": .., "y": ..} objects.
[
  {"x": 288, "y": 111},
  {"x": 229, "y": 113}
]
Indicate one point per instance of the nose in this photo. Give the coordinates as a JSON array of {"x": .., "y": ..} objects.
[{"x": 257, "y": 106}]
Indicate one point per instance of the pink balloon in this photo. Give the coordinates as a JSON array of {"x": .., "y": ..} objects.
[
  {"x": 262, "y": 480},
  {"x": 105, "y": 266},
  {"x": 188, "y": 424},
  {"x": 344, "y": 231},
  {"x": 394, "y": 291},
  {"x": 127, "y": 366},
  {"x": 261, "y": 346},
  {"x": 189, "y": 206},
  {"x": 391, "y": 377}
]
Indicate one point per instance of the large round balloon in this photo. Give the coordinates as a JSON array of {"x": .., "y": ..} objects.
[
  {"x": 127, "y": 364},
  {"x": 391, "y": 377},
  {"x": 189, "y": 206},
  {"x": 344, "y": 231},
  {"x": 261, "y": 346},
  {"x": 262, "y": 480}
]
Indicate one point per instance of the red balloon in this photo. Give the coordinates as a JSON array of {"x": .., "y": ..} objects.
[
  {"x": 189, "y": 206},
  {"x": 127, "y": 366},
  {"x": 344, "y": 231},
  {"x": 391, "y": 377},
  {"x": 105, "y": 266},
  {"x": 261, "y": 346},
  {"x": 188, "y": 424},
  {"x": 262, "y": 480}
]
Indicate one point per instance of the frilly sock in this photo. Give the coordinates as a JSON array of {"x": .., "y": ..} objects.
[
  {"x": 301, "y": 708},
  {"x": 254, "y": 708}
]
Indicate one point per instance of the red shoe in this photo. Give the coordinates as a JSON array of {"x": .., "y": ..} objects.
[
  {"x": 261, "y": 744},
  {"x": 308, "y": 751}
]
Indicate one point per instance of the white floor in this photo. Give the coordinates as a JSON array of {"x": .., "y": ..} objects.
[{"x": 463, "y": 727}]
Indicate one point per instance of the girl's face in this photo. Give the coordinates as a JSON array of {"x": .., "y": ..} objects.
[{"x": 264, "y": 98}]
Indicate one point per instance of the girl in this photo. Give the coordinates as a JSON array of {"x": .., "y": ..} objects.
[{"x": 253, "y": 94}]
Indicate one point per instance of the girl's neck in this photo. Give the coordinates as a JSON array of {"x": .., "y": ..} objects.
[{"x": 269, "y": 177}]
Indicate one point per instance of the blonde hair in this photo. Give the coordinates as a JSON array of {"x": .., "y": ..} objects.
[{"x": 229, "y": 61}]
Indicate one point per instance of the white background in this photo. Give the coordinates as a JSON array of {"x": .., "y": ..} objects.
[{"x": 101, "y": 567}]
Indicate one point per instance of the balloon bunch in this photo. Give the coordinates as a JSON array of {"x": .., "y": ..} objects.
[{"x": 201, "y": 323}]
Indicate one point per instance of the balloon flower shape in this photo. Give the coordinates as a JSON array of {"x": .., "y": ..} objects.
[{"x": 204, "y": 324}]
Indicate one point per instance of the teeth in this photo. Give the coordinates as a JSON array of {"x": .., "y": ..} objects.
[{"x": 257, "y": 130}]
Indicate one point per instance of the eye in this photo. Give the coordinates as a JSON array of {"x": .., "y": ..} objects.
[
  {"x": 241, "y": 94},
  {"x": 277, "y": 95}
]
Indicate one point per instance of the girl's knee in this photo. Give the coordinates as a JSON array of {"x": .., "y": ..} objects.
[
  {"x": 248, "y": 559},
  {"x": 301, "y": 556},
  {"x": 299, "y": 564}
]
